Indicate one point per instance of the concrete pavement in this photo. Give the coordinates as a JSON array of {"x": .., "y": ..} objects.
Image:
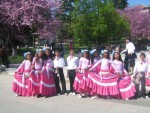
[{"x": 63, "y": 104}]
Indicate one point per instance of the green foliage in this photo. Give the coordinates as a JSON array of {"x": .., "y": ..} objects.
[
  {"x": 120, "y": 4},
  {"x": 15, "y": 60},
  {"x": 65, "y": 17},
  {"x": 97, "y": 22}
]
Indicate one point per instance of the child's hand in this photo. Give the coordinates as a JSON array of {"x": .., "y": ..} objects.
[
  {"x": 32, "y": 67},
  {"x": 40, "y": 72},
  {"x": 90, "y": 69},
  {"x": 134, "y": 77},
  {"x": 148, "y": 73},
  {"x": 87, "y": 68},
  {"x": 121, "y": 74}
]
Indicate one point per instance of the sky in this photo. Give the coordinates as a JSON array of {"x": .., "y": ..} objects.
[{"x": 137, "y": 2}]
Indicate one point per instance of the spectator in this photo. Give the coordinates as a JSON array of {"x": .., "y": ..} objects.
[{"x": 4, "y": 56}]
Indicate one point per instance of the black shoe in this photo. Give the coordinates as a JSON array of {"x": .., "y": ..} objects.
[
  {"x": 47, "y": 96},
  {"x": 149, "y": 94},
  {"x": 38, "y": 96},
  {"x": 143, "y": 96}
]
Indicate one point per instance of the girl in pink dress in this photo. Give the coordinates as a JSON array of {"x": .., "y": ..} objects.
[
  {"x": 95, "y": 57},
  {"x": 35, "y": 75},
  {"x": 47, "y": 86},
  {"x": 82, "y": 72},
  {"x": 21, "y": 77},
  {"x": 104, "y": 83},
  {"x": 126, "y": 86}
]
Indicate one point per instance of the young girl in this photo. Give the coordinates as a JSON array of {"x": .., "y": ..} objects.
[
  {"x": 95, "y": 57},
  {"x": 82, "y": 72},
  {"x": 47, "y": 86},
  {"x": 21, "y": 77},
  {"x": 140, "y": 70},
  {"x": 35, "y": 75},
  {"x": 104, "y": 83},
  {"x": 126, "y": 86}
]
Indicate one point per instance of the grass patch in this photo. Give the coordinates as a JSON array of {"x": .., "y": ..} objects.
[
  {"x": 19, "y": 58},
  {"x": 16, "y": 60}
]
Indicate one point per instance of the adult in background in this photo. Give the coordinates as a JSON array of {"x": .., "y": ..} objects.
[
  {"x": 62, "y": 50},
  {"x": 4, "y": 56},
  {"x": 71, "y": 46},
  {"x": 116, "y": 49},
  {"x": 130, "y": 56}
]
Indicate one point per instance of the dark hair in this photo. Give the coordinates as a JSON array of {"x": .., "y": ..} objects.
[
  {"x": 45, "y": 57},
  {"x": 128, "y": 39},
  {"x": 88, "y": 56},
  {"x": 120, "y": 59},
  {"x": 58, "y": 50},
  {"x": 143, "y": 54},
  {"x": 92, "y": 57},
  {"x": 30, "y": 59}
]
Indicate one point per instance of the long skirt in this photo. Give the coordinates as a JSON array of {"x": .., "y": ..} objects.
[
  {"x": 21, "y": 84},
  {"x": 34, "y": 83},
  {"x": 126, "y": 87},
  {"x": 147, "y": 77},
  {"x": 80, "y": 81},
  {"x": 103, "y": 84},
  {"x": 47, "y": 86}
]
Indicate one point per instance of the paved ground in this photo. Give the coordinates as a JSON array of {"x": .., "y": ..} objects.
[{"x": 63, "y": 104}]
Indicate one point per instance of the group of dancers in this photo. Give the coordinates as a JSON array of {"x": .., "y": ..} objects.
[
  {"x": 91, "y": 75},
  {"x": 107, "y": 78}
]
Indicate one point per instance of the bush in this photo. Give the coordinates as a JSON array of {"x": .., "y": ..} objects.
[
  {"x": 21, "y": 51},
  {"x": 15, "y": 60}
]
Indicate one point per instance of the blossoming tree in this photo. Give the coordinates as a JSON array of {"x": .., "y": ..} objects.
[{"x": 20, "y": 19}]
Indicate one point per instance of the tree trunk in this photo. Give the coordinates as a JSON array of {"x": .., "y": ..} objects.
[
  {"x": 14, "y": 48},
  {"x": 14, "y": 51}
]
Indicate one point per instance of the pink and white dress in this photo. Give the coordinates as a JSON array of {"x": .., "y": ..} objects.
[
  {"x": 21, "y": 79},
  {"x": 96, "y": 59},
  {"x": 47, "y": 86},
  {"x": 95, "y": 70},
  {"x": 35, "y": 76},
  {"x": 104, "y": 82},
  {"x": 81, "y": 75},
  {"x": 126, "y": 86},
  {"x": 147, "y": 75}
]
